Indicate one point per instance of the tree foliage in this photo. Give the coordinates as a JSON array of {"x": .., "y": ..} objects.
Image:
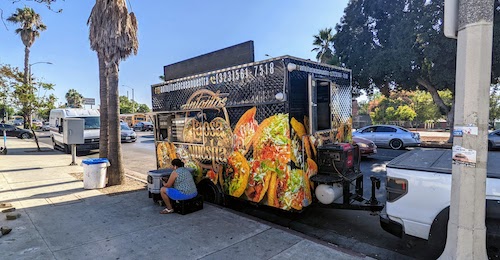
[
  {"x": 14, "y": 91},
  {"x": 128, "y": 106},
  {"x": 74, "y": 99},
  {"x": 494, "y": 104},
  {"x": 416, "y": 107},
  {"x": 323, "y": 43}
]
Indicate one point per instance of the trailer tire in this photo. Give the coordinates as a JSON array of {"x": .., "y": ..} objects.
[
  {"x": 211, "y": 193},
  {"x": 396, "y": 144},
  {"x": 439, "y": 233}
]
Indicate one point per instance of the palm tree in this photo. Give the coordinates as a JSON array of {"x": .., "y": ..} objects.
[
  {"x": 113, "y": 35},
  {"x": 324, "y": 45},
  {"x": 30, "y": 27},
  {"x": 74, "y": 99}
]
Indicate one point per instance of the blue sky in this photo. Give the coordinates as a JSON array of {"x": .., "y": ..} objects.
[{"x": 169, "y": 31}]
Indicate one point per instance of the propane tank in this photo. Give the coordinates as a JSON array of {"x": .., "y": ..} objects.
[{"x": 327, "y": 194}]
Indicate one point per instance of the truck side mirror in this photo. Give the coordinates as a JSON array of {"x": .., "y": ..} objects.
[{"x": 60, "y": 129}]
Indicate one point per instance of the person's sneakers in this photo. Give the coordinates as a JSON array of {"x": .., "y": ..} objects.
[{"x": 167, "y": 211}]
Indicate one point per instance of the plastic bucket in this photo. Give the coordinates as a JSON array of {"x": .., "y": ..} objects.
[{"x": 94, "y": 173}]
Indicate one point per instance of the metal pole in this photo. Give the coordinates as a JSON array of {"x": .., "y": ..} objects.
[
  {"x": 73, "y": 155},
  {"x": 133, "y": 104},
  {"x": 466, "y": 227}
]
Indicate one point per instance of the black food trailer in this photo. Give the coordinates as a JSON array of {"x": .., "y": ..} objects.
[{"x": 275, "y": 132}]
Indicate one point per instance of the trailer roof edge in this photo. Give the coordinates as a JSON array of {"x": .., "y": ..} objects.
[{"x": 248, "y": 64}]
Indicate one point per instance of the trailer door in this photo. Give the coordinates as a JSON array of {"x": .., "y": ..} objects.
[{"x": 320, "y": 110}]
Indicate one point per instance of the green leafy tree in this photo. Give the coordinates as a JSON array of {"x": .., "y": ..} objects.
[
  {"x": 30, "y": 26},
  {"x": 494, "y": 104},
  {"x": 113, "y": 35},
  {"x": 74, "y": 99},
  {"x": 143, "y": 108},
  {"x": 16, "y": 92}
]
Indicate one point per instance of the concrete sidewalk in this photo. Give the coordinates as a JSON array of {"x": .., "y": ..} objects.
[{"x": 61, "y": 220}]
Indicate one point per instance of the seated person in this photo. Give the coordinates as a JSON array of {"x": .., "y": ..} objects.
[{"x": 179, "y": 186}]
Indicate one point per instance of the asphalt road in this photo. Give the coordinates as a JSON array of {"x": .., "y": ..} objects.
[{"x": 356, "y": 230}]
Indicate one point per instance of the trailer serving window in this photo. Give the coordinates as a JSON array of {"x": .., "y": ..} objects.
[{"x": 324, "y": 108}]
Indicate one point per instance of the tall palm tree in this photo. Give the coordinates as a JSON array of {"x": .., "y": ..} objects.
[
  {"x": 113, "y": 35},
  {"x": 74, "y": 99},
  {"x": 324, "y": 45},
  {"x": 30, "y": 27}
]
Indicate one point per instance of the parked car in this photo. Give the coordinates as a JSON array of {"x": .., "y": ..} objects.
[
  {"x": 11, "y": 130},
  {"x": 18, "y": 122},
  {"x": 366, "y": 147},
  {"x": 494, "y": 140},
  {"x": 392, "y": 136},
  {"x": 37, "y": 123},
  {"x": 143, "y": 126},
  {"x": 45, "y": 126},
  {"x": 127, "y": 134}
]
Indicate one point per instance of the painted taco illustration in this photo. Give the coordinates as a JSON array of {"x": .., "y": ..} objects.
[
  {"x": 238, "y": 174},
  {"x": 259, "y": 179},
  {"x": 165, "y": 153},
  {"x": 244, "y": 131}
]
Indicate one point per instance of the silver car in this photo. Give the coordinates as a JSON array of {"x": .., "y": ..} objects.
[
  {"x": 494, "y": 140},
  {"x": 127, "y": 134},
  {"x": 391, "y": 136}
]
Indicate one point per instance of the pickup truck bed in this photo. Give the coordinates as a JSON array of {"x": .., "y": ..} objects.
[{"x": 421, "y": 207}]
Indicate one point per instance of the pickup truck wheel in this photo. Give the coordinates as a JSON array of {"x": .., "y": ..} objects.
[
  {"x": 438, "y": 233},
  {"x": 396, "y": 144}
]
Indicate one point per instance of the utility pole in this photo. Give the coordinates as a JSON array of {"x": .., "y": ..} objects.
[
  {"x": 133, "y": 104},
  {"x": 466, "y": 237}
]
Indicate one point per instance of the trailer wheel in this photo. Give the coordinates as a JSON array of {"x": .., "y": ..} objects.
[
  {"x": 439, "y": 233},
  {"x": 210, "y": 192},
  {"x": 396, "y": 144}
]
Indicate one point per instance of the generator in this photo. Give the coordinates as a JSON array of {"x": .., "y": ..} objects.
[{"x": 339, "y": 181}]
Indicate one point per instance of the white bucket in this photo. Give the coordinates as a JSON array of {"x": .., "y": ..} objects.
[{"x": 94, "y": 175}]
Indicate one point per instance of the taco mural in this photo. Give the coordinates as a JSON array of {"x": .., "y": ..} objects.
[{"x": 252, "y": 134}]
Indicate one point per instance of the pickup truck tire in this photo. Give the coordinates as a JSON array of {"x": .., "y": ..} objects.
[
  {"x": 439, "y": 233},
  {"x": 396, "y": 144}
]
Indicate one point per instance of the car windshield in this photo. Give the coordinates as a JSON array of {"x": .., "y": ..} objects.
[
  {"x": 92, "y": 122},
  {"x": 124, "y": 127}
]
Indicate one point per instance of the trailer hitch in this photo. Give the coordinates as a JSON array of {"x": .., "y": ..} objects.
[{"x": 375, "y": 185}]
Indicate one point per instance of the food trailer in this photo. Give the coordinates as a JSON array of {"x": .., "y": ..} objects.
[{"x": 275, "y": 132}]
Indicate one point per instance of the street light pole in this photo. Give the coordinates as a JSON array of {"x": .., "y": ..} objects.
[
  {"x": 133, "y": 104},
  {"x": 30, "y": 87}
]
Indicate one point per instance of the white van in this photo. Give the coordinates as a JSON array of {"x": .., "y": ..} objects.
[{"x": 90, "y": 133}]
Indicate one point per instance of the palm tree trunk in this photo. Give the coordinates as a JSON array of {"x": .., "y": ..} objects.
[
  {"x": 27, "y": 72},
  {"x": 103, "y": 95},
  {"x": 116, "y": 171}
]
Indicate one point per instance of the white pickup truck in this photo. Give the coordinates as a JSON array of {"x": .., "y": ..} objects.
[{"x": 418, "y": 198}]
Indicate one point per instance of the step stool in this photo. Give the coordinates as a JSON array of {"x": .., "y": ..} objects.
[{"x": 184, "y": 207}]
